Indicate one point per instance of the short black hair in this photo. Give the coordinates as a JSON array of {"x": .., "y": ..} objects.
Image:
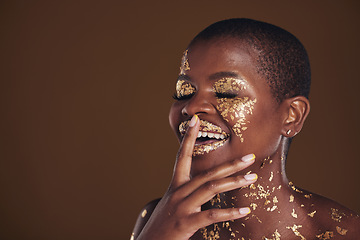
[{"x": 282, "y": 60}]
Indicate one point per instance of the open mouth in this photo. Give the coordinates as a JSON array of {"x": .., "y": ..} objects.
[{"x": 210, "y": 137}]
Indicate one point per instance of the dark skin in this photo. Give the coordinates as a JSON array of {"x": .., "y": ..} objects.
[{"x": 208, "y": 190}]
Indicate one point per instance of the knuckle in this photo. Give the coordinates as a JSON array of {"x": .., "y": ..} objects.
[
  {"x": 172, "y": 199},
  {"x": 180, "y": 224},
  {"x": 211, "y": 185},
  {"x": 209, "y": 173},
  {"x": 239, "y": 179},
  {"x": 212, "y": 214},
  {"x": 232, "y": 214},
  {"x": 235, "y": 163}
]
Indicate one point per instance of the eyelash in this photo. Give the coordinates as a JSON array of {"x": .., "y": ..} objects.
[
  {"x": 183, "y": 97},
  {"x": 225, "y": 95},
  {"x": 218, "y": 95}
]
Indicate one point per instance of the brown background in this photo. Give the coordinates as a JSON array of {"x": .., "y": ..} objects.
[{"x": 85, "y": 93}]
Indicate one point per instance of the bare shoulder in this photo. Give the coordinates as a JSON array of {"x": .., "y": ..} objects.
[
  {"x": 143, "y": 217},
  {"x": 335, "y": 220}
]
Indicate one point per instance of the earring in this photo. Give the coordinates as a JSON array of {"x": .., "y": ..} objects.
[{"x": 288, "y": 132}]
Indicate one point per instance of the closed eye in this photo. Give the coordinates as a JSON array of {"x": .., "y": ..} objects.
[
  {"x": 225, "y": 95},
  {"x": 182, "y": 97}
]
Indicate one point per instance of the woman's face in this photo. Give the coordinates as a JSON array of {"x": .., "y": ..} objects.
[{"x": 239, "y": 115}]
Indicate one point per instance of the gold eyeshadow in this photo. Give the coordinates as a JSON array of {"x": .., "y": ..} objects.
[
  {"x": 229, "y": 85},
  {"x": 184, "y": 88}
]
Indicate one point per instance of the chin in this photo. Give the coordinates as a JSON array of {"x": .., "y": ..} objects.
[{"x": 206, "y": 161}]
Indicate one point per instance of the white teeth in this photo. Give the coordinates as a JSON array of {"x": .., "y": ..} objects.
[{"x": 211, "y": 135}]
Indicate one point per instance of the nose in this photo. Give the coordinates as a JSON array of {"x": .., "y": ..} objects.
[{"x": 198, "y": 104}]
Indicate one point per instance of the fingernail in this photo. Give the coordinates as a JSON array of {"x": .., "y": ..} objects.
[
  {"x": 248, "y": 158},
  {"x": 244, "y": 210},
  {"x": 251, "y": 177},
  {"x": 193, "y": 120}
]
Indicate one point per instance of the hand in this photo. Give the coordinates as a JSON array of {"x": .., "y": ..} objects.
[{"x": 178, "y": 215}]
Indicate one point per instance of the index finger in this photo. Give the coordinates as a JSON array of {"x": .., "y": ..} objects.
[{"x": 184, "y": 156}]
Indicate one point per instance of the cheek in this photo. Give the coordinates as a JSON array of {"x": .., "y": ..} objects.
[
  {"x": 235, "y": 111},
  {"x": 175, "y": 117}
]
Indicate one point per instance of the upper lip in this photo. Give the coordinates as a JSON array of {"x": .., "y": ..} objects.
[{"x": 205, "y": 128}]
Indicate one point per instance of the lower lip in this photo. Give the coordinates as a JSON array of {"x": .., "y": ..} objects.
[{"x": 200, "y": 149}]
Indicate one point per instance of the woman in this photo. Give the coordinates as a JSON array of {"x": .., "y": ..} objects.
[{"x": 241, "y": 96}]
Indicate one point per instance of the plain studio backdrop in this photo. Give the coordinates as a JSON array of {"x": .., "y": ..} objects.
[{"x": 85, "y": 93}]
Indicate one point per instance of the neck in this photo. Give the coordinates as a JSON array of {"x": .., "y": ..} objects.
[{"x": 268, "y": 198}]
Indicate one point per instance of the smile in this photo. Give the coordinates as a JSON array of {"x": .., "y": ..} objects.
[{"x": 209, "y": 138}]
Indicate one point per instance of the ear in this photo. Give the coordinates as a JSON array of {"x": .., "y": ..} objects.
[{"x": 296, "y": 111}]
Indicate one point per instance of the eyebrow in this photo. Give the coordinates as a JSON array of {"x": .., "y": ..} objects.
[
  {"x": 183, "y": 77},
  {"x": 220, "y": 75},
  {"x": 213, "y": 77}
]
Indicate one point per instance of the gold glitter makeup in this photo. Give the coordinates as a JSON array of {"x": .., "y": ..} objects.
[
  {"x": 308, "y": 195},
  {"x": 207, "y": 129},
  {"x": 312, "y": 213},
  {"x": 271, "y": 176},
  {"x": 143, "y": 214},
  {"x": 325, "y": 235},
  {"x": 205, "y": 126},
  {"x": 231, "y": 108},
  {"x": 184, "y": 63},
  {"x": 336, "y": 215},
  {"x": 294, "y": 214},
  {"x": 229, "y": 85},
  {"x": 295, "y": 188},
  {"x": 253, "y": 205},
  {"x": 275, "y": 236},
  {"x": 206, "y": 148},
  {"x": 291, "y": 198},
  {"x": 234, "y": 108},
  {"x": 266, "y": 161},
  {"x": 341, "y": 231},
  {"x": 212, "y": 234},
  {"x": 295, "y": 228},
  {"x": 184, "y": 88}
]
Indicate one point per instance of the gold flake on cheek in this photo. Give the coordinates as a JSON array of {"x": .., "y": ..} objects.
[
  {"x": 236, "y": 109},
  {"x": 325, "y": 235},
  {"x": 184, "y": 88},
  {"x": 312, "y": 213},
  {"x": 336, "y": 215},
  {"x": 184, "y": 63},
  {"x": 291, "y": 198},
  {"x": 143, "y": 214},
  {"x": 295, "y": 228},
  {"x": 341, "y": 231}
]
